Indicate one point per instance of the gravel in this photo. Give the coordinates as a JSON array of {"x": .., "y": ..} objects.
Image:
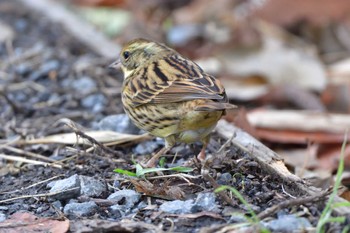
[{"x": 76, "y": 210}]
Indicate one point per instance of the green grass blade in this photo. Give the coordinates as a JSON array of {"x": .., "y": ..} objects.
[
  {"x": 326, "y": 213},
  {"x": 125, "y": 172}
]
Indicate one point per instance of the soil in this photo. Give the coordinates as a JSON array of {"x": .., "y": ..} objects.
[{"x": 38, "y": 70}]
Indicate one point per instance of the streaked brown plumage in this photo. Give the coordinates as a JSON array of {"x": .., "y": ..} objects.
[{"x": 168, "y": 95}]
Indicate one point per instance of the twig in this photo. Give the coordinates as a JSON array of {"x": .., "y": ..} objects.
[
  {"x": 38, "y": 195},
  {"x": 182, "y": 176},
  {"x": 80, "y": 133},
  {"x": 99, "y": 201},
  {"x": 207, "y": 177},
  {"x": 228, "y": 141},
  {"x": 293, "y": 202},
  {"x": 32, "y": 185},
  {"x": 285, "y": 192},
  {"x": 20, "y": 159},
  {"x": 28, "y": 153}
]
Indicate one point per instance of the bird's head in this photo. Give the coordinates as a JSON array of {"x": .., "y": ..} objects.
[{"x": 139, "y": 53}]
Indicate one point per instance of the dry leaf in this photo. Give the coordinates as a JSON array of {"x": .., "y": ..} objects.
[
  {"x": 282, "y": 59},
  {"x": 29, "y": 223},
  {"x": 165, "y": 190},
  {"x": 306, "y": 121}
]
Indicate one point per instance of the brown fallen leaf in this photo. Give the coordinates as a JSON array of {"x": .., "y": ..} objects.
[
  {"x": 29, "y": 223},
  {"x": 319, "y": 12},
  {"x": 164, "y": 190},
  {"x": 297, "y": 137},
  {"x": 346, "y": 195},
  {"x": 328, "y": 156}
]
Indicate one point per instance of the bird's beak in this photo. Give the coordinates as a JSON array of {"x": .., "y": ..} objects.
[{"x": 115, "y": 65}]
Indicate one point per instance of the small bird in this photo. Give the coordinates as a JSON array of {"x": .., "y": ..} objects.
[{"x": 169, "y": 96}]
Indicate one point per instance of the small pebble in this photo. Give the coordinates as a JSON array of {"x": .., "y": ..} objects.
[
  {"x": 23, "y": 68},
  {"x": 116, "y": 211},
  {"x": 44, "y": 69},
  {"x": 91, "y": 187},
  {"x": 119, "y": 123},
  {"x": 57, "y": 204},
  {"x": 177, "y": 207},
  {"x": 21, "y": 25},
  {"x": 77, "y": 210},
  {"x": 72, "y": 182},
  {"x": 4, "y": 208},
  {"x": 95, "y": 102},
  {"x": 225, "y": 179},
  {"x": 147, "y": 147},
  {"x": 205, "y": 202},
  {"x": 2, "y": 217},
  {"x": 288, "y": 223},
  {"x": 127, "y": 198},
  {"x": 84, "y": 84},
  {"x": 237, "y": 218}
]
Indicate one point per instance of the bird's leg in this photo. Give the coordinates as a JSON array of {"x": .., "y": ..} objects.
[
  {"x": 169, "y": 143},
  {"x": 201, "y": 155}
]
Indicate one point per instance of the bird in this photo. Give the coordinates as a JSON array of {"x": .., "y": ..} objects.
[{"x": 169, "y": 96}]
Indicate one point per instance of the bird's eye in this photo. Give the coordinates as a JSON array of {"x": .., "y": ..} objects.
[{"x": 126, "y": 55}]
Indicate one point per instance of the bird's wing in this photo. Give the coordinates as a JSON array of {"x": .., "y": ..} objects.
[{"x": 174, "y": 79}]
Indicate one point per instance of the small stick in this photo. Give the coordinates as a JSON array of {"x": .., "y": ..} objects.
[
  {"x": 80, "y": 133},
  {"x": 293, "y": 202},
  {"x": 20, "y": 159},
  {"x": 28, "y": 153},
  {"x": 32, "y": 185},
  {"x": 38, "y": 195},
  {"x": 206, "y": 176}
]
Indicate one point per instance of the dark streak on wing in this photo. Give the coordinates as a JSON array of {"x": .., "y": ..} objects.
[{"x": 159, "y": 73}]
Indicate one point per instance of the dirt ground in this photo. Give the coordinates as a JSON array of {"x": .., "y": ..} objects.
[{"x": 39, "y": 85}]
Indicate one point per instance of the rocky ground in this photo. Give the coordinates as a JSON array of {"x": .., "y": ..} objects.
[{"x": 46, "y": 76}]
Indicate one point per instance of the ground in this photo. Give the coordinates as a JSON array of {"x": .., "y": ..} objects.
[{"x": 47, "y": 76}]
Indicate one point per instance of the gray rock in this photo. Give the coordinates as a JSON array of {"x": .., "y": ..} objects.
[
  {"x": 147, "y": 147},
  {"x": 255, "y": 208},
  {"x": 2, "y": 217},
  {"x": 91, "y": 187},
  {"x": 60, "y": 186},
  {"x": 119, "y": 123},
  {"x": 57, "y": 204},
  {"x": 205, "y": 202},
  {"x": 84, "y": 85},
  {"x": 23, "y": 68},
  {"x": 236, "y": 218},
  {"x": 177, "y": 207},
  {"x": 225, "y": 179},
  {"x": 94, "y": 102},
  {"x": 288, "y": 223},
  {"x": 3, "y": 208},
  {"x": 126, "y": 198},
  {"x": 116, "y": 211},
  {"x": 77, "y": 210},
  {"x": 44, "y": 69}
]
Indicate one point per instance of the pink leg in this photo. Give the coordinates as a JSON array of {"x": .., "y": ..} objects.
[{"x": 201, "y": 155}]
